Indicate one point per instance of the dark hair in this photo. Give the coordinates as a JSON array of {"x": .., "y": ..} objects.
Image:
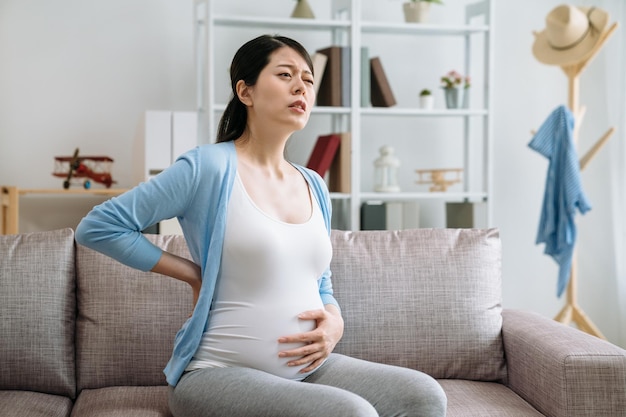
[{"x": 247, "y": 64}]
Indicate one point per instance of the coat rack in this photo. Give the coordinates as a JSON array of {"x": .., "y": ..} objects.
[{"x": 572, "y": 312}]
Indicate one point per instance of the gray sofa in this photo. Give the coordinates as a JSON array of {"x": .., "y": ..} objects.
[{"x": 82, "y": 335}]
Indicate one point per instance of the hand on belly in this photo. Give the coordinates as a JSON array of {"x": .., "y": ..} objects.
[
  {"x": 314, "y": 345},
  {"x": 244, "y": 335}
]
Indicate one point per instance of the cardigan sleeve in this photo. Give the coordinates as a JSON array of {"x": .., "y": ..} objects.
[
  {"x": 114, "y": 227},
  {"x": 320, "y": 190}
]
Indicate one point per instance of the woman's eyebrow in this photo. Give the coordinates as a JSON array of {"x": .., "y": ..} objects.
[{"x": 293, "y": 68}]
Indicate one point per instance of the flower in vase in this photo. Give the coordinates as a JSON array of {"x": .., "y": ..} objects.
[{"x": 454, "y": 79}]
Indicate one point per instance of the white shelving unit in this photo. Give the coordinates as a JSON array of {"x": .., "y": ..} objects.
[{"x": 347, "y": 28}]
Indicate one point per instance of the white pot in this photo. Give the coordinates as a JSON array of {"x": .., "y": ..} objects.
[
  {"x": 416, "y": 11},
  {"x": 427, "y": 102}
]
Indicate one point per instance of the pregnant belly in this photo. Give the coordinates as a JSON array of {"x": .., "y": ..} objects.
[{"x": 246, "y": 335}]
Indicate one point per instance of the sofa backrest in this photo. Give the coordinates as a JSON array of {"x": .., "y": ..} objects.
[
  {"x": 37, "y": 311},
  {"x": 428, "y": 299},
  {"x": 127, "y": 319}
]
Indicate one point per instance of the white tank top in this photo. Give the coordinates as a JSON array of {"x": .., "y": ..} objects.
[{"x": 269, "y": 274}]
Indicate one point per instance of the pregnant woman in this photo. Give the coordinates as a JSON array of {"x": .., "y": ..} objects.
[{"x": 265, "y": 322}]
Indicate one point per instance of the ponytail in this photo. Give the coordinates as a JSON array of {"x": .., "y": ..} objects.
[{"x": 233, "y": 121}]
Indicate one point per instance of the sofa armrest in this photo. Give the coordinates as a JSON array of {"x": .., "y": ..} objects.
[{"x": 561, "y": 371}]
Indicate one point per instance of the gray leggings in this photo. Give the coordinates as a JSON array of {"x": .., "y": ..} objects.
[{"x": 341, "y": 387}]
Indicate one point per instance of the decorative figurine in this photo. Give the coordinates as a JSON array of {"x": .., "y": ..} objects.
[
  {"x": 84, "y": 168},
  {"x": 438, "y": 178},
  {"x": 303, "y": 10},
  {"x": 386, "y": 171}
]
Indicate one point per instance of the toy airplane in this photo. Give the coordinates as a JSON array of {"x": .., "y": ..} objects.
[
  {"x": 438, "y": 178},
  {"x": 85, "y": 168}
]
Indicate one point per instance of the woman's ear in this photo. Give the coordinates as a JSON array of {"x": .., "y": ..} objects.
[{"x": 243, "y": 92}]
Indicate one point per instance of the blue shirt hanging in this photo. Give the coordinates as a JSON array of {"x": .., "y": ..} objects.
[{"x": 563, "y": 194}]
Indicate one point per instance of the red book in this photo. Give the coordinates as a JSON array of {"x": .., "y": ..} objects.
[{"x": 323, "y": 153}]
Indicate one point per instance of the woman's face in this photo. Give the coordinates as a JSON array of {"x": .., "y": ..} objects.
[{"x": 284, "y": 92}]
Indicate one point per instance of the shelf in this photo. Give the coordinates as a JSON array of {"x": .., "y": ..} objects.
[
  {"x": 76, "y": 191},
  {"x": 366, "y": 27},
  {"x": 282, "y": 23},
  {"x": 394, "y": 111},
  {"x": 10, "y": 197},
  {"x": 420, "y": 29},
  {"x": 411, "y": 196},
  {"x": 347, "y": 29}
]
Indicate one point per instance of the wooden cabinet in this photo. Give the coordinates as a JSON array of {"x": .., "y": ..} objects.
[{"x": 10, "y": 199}]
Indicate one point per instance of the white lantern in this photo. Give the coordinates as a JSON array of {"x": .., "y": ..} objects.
[{"x": 386, "y": 171}]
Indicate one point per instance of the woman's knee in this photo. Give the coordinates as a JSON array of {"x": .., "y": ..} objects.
[
  {"x": 346, "y": 404},
  {"x": 426, "y": 398}
]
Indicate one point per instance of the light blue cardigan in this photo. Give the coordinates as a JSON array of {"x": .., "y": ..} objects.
[{"x": 196, "y": 190}]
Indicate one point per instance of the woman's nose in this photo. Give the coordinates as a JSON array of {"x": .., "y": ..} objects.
[{"x": 299, "y": 87}]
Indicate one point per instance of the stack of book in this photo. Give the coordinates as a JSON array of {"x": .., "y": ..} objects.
[
  {"x": 331, "y": 155},
  {"x": 390, "y": 215},
  {"x": 333, "y": 69}
]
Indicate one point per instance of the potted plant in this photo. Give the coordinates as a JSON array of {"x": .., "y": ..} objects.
[
  {"x": 451, "y": 83},
  {"x": 427, "y": 100},
  {"x": 418, "y": 10}
]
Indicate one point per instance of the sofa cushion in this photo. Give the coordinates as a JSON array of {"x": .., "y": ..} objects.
[
  {"x": 484, "y": 399},
  {"x": 33, "y": 404},
  {"x": 123, "y": 402},
  {"x": 127, "y": 319},
  {"x": 428, "y": 299},
  {"x": 37, "y": 306}
]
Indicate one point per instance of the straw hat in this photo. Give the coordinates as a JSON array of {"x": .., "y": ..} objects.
[{"x": 570, "y": 34}]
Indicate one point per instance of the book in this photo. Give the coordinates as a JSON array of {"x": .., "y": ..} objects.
[
  {"x": 393, "y": 215},
  {"x": 381, "y": 94},
  {"x": 365, "y": 77},
  {"x": 323, "y": 153},
  {"x": 329, "y": 93},
  {"x": 410, "y": 215},
  {"x": 339, "y": 178},
  {"x": 341, "y": 214},
  {"x": 466, "y": 215},
  {"x": 346, "y": 76},
  {"x": 402, "y": 215},
  {"x": 373, "y": 215},
  {"x": 390, "y": 215},
  {"x": 319, "y": 65}
]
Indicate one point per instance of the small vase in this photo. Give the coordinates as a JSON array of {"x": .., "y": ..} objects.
[
  {"x": 427, "y": 102},
  {"x": 452, "y": 97},
  {"x": 303, "y": 10},
  {"x": 416, "y": 11}
]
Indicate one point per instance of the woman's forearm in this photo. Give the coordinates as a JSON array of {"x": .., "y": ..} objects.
[{"x": 181, "y": 269}]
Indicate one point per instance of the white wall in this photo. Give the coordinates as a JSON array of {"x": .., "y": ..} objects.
[
  {"x": 79, "y": 73},
  {"x": 526, "y": 91}
]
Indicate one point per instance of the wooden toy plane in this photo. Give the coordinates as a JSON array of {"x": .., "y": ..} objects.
[
  {"x": 438, "y": 178},
  {"x": 85, "y": 168}
]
